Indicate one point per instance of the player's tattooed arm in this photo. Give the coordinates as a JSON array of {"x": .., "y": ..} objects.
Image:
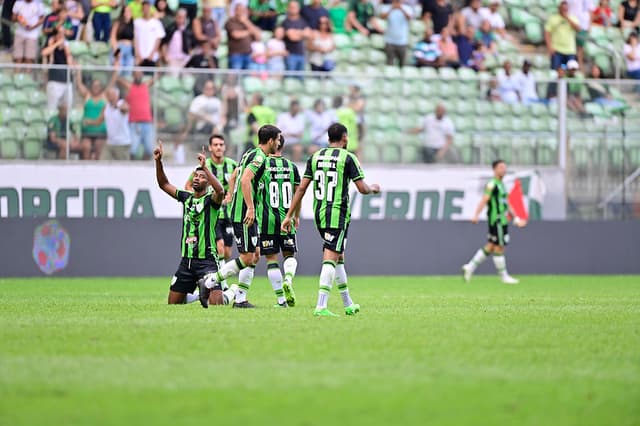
[
  {"x": 296, "y": 203},
  {"x": 161, "y": 177}
]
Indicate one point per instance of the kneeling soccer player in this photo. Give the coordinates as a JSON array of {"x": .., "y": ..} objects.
[
  {"x": 200, "y": 213},
  {"x": 496, "y": 199}
]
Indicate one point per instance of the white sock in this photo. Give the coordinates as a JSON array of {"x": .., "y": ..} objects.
[
  {"x": 228, "y": 295},
  {"x": 245, "y": 278},
  {"x": 275, "y": 277},
  {"x": 327, "y": 275},
  {"x": 178, "y": 154},
  {"x": 191, "y": 298},
  {"x": 223, "y": 283},
  {"x": 290, "y": 265},
  {"x": 341, "y": 282},
  {"x": 477, "y": 259},
  {"x": 501, "y": 264},
  {"x": 230, "y": 268}
]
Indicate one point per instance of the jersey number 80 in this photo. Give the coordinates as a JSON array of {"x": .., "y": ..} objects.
[{"x": 274, "y": 194}]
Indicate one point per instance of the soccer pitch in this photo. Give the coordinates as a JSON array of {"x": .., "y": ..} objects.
[{"x": 424, "y": 350}]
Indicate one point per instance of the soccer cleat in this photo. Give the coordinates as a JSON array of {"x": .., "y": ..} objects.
[
  {"x": 289, "y": 294},
  {"x": 281, "y": 305},
  {"x": 508, "y": 279},
  {"x": 243, "y": 305},
  {"x": 353, "y": 309},
  {"x": 324, "y": 313},
  {"x": 467, "y": 272},
  {"x": 204, "y": 294}
]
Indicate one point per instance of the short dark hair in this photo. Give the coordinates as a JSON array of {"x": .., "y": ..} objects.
[
  {"x": 281, "y": 144},
  {"x": 496, "y": 163},
  {"x": 199, "y": 169},
  {"x": 336, "y": 132},
  {"x": 337, "y": 101},
  {"x": 267, "y": 132},
  {"x": 216, "y": 136}
]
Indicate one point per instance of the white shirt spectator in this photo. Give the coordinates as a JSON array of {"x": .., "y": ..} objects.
[
  {"x": 497, "y": 23},
  {"x": 582, "y": 9},
  {"x": 147, "y": 32},
  {"x": 117, "y": 124},
  {"x": 318, "y": 125},
  {"x": 291, "y": 127},
  {"x": 30, "y": 12},
  {"x": 475, "y": 18},
  {"x": 436, "y": 131},
  {"x": 508, "y": 87},
  {"x": 207, "y": 106},
  {"x": 632, "y": 65},
  {"x": 527, "y": 87}
]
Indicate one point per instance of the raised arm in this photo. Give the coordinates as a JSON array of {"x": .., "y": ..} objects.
[
  {"x": 296, "y": 203},
  {"x": 161, "y": 177}
]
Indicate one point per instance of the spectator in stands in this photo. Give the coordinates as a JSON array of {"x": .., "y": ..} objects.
[
  {"x": 177, "y": 44},
  {"x": 76, "y": 14},
  {"x": 631, "y": 51},
  {"x": 245, "y": 3},
  {"x": 464, "y": 44},
  {"x": 312, "y": 13},
  {"x": 441, "y": 15},
  {"x": 426, "y": 52},
  {"x": 493, "y": 91},
  {"x": 258, "y": 56},
  {"x": 263, "y": 14},
  {"x": 292, "y": 124},
  {"x": 233, "y": 99},
  {"x": 526, "y": 84},
  {"x": 29, "y": 15},
  {"x": 574, "y": 88},
  {"x": 94, "y": 102},
  {"x": 361, "y": 18},
  {"x": 552, "y": 87},
  {"x": 258, "y": 115},
  {"x": 140, "y": 117},
  {"x": 338, "y": 16},
  {"x": 218, "y": 11},
  {"x": 628, "y": 16},
  {"x": 438, "y": 131},
  {"x": 508, "y": 84},
  {"x": 115, "y": 117},
  {"x": 101, "y": 20},
  {"x": 346, "y": 116},
  {"x": 165, "y": 14},
  {"x": 474, "y": 14},
  {"x": 206, "y": 33},
  {"x": 58, "y": 53},
  {"x": 137, "y": 7},
  {"x": 240, "y": 33},
  {"x": 121, "y": 41},
  {"x": 357, "y": 102},
  {"x": 148, "y": 33},
  {"x": 296, "y": 30},
  {"x": 602, "y": 14},
  {"x": 57, "y": 18},
  {"x": 486, "y": 39},
  {"x": 276, "y": 52},
  {"x": 319, "y": 120},
  {"x": 396, "y": 36},
  {"x": 581, "y": 9},
  {"x": 448, "y": 49},
  {"x": 560, "y": 36},
  {"x": 497, "y": 23},
  {"x": 191, "y": 7},
  {"x": 600, "y": 93},
  {"x": 57, "y": 136},
  {"x": 206, "y": 114},
  {"x": 322, "y": 46},
  {"x": 7, "y": 17}
]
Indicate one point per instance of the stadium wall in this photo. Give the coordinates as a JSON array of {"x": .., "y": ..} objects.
[{"x": 149, "y": 247}]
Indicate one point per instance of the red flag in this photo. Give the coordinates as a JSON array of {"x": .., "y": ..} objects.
[{"x": 516, "y": 200}]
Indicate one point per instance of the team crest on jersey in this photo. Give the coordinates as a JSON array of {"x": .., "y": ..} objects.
[
  {"x": 199, "y": 208},
  {"x": 254, "y": 241},
  {"x": 257, "y": 161},
  {"x": 191, "y": 240}
]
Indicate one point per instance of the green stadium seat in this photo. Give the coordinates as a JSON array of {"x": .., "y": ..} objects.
[
  {"x": 5, "y": 80},
  {"x": 413, "y": 73},
  {"x": 22, "y": 81},
  {"x": 410, "y": 153},
  {"x": 98, "y": 48},
  {"x": 371, "y": 153},
  {"x": 9, "y": 149},
  {"x": 359, "y": 41},
  {"x": 500, "y": 124},
  {"x": 596, "y": 110},
  {"x": 17, "y": 98},
  {"x": 464, "y": 144},
  {"x": 170, "y": 84},
  {"x": 375, "y": 57},
  {"x": 523, "y": 150},
  {"x": 538, "y": 110},
  {"x": 223, "y": 51},
  {"x": 342, "y": 41},
  {"x": 500, "y": 108},
  {"x": 32, "y": 116},
  {"x": 428, "y": 73},
  {"x": 534, "y": 32},
  {"x": 463, "y": 123},
  {"x": 188, "y": 82},
  {"x": 9, "y": 115},
  {"x": 377, "y": 41},
  {"x": 417, "y": 27},
  {"x": 391, "y": 153}
]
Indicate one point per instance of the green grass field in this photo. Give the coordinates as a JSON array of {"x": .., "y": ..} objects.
[{"x": 424, "y": 350}]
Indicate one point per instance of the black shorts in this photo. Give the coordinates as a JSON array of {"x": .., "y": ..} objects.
[
  {"x": 190, "y": 272},
  {"x": 224, "y": 231},
  {"x": 274, "y": 244},
  {"x": 334, "y": 239},
  {"x": 498, "y": 234},
  {"x": 247, "y": 237}
]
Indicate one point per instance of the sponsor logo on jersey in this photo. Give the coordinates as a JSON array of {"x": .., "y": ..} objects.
[
  {"x": 328, "y": 237},
  {"x": 267, "y": 244},
  {"x": 238, "y": 240},
  {"x": 289, "y": 242}
]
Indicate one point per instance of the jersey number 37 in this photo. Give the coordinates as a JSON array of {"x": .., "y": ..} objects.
[{"x": 326, "y": 182}]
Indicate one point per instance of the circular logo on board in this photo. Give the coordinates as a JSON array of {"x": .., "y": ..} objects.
[{"x": 51, "y": 247}]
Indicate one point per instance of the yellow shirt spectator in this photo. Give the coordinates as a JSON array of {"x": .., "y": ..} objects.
[{"x": 563, "y": 36}]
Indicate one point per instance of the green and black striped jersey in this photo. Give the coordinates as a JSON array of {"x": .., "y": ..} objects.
[
  {"x": 253, "y": 160},
  {"x": 276, "y": 190},
  {"x": 332, "y": 170},
  {"x": 222, "y": 172},
  {"x": 498, "y": 205},
  {"x": 199, "y": 219}
]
